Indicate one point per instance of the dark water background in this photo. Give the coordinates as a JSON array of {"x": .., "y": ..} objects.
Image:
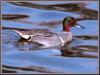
[{"x": 19, "y": 56}]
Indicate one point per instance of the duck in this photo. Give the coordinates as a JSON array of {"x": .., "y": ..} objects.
[{"x": 50, "y": 39}]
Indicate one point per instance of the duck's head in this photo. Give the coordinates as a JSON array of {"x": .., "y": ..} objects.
[{"x": 69, "y": 22}]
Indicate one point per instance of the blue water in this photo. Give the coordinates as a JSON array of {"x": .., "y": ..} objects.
[{"x": 13, "y": 56}]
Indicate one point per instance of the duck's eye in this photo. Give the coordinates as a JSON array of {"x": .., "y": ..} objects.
[{"x": 68, "y": 21}]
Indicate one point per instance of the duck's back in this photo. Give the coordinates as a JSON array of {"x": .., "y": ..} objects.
[{"x": 41, "y": 36}]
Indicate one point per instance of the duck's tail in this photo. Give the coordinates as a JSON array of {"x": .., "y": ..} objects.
[{"x": 18, "y": 32}]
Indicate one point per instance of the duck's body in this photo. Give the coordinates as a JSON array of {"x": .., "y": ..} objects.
[{"x": 47, "y": 38}]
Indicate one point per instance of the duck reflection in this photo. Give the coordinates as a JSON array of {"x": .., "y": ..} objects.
[
  {"x": 69, "y": 51},
  {"x": 66, "y": 51},
  {"x": 24, "y": 45}
]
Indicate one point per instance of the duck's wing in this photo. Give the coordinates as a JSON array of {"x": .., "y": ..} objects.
[{"x": 35, "y": 32}]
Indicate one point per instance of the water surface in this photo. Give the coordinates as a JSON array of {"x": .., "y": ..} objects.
[{"x": 20, "y": 56}]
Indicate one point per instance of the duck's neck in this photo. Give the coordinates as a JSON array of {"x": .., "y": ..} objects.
[{"x": 67, "y": 28}]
